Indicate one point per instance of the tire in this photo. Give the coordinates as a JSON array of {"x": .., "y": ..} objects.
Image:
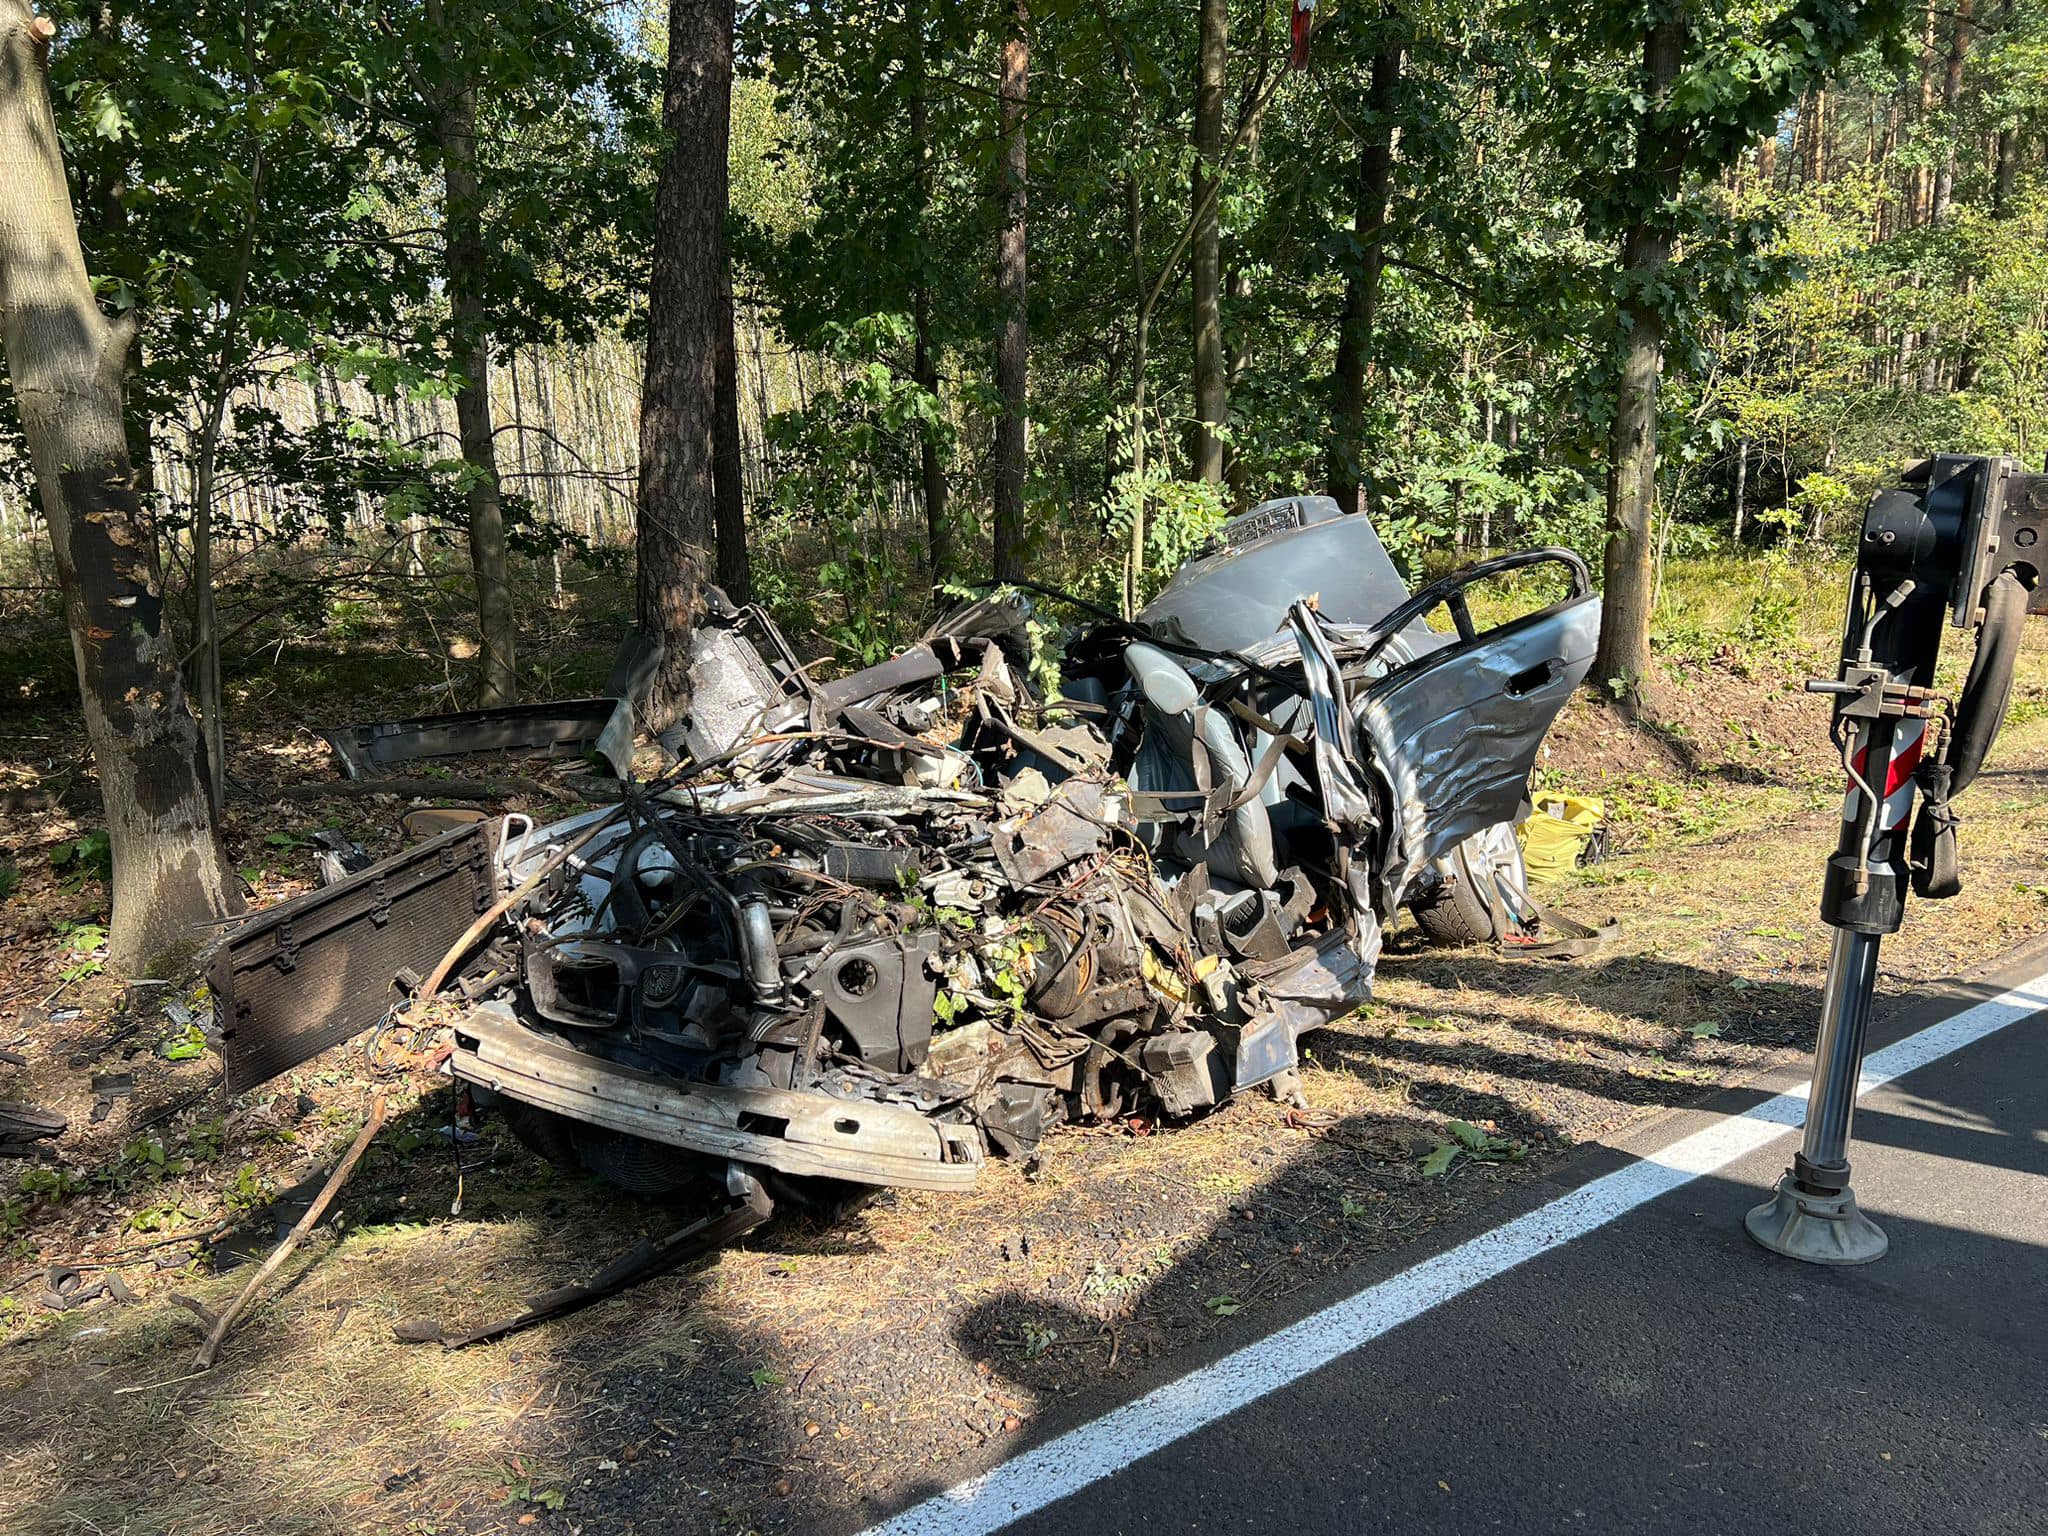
[
  {"x": 1455, "y": 914},
  {"x": 829, "y": 1200},
  {"x": 638, "y": 1166},
  {"x": 635, "y": 1165},
  {"x": 542, "y": 1132}
]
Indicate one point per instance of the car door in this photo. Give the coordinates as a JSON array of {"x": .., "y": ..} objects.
[{"x": 1455, "y": 732}]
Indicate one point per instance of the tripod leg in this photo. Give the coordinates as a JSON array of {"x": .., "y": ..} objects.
[{"x": 1813, "y": 1216}]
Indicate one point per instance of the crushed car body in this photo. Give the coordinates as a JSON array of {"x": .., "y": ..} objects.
[{"x": 871, "y": 931}]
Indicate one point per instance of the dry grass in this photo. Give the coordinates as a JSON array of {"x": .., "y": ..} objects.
[{"x": 316, "y": 1419}]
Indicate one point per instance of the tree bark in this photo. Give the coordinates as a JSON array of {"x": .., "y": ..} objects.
[
  {"x": 1211, "y": 389},
  {"x": 1346, "y": 471},
  {"x": 1816, "y": 165},
  {"x": 1624, "y": 653},
  {"x": 66, "y": 362},
  {"x": 1741, "y": 488},
  {"x": 1013, "y": 349},
  {"x": 1134, "y": 546},
  {"x": 924, "y": 367},
  {"x": 1945, "y": 176},
  {"x": 1922, "y": 191},
  {"x": 677, "y": 496},
  {"x": 205, "y": 628},
  {"x": 729, "y": 505},
  {"x": 469, "y": 348},
  {"x": 554, "y": 494}
]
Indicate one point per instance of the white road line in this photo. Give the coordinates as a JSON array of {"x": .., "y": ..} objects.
[{"x": 1104, "y": 1446}]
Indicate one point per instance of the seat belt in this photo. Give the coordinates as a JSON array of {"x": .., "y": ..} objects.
[{"x": 1578, "y": 940}]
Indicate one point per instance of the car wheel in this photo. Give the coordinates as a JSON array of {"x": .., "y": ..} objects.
[
  {"x": 639, "y": 1166},
  {"x": 541, "y": 1131},
  {"x": 631, "y": 1163},
  {"x": 1456, "y": 913}
]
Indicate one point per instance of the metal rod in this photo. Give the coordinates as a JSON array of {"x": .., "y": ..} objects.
[{"x": 1838, "y": 1055}]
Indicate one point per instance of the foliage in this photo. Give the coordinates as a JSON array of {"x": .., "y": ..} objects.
[
  {"x": 839, "y": 461},
  {"x": 90, "y": 857},
  {"x": 1468, "y": 1141},
  {"x": 1827, "y": 321}
]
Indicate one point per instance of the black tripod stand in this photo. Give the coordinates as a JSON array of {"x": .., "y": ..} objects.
[{"x": 1958, "y": 544}]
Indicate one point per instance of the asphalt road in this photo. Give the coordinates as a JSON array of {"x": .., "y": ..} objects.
[{"x": 1663, "y": 1374}]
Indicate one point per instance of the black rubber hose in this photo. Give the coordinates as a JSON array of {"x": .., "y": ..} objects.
[
  {"x": 630, "y": 912},
  {"x": 1987, "y": 691}
]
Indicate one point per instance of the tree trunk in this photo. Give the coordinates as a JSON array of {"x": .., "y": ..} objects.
[
  {"x": 729, "y": 508},
  {"x": 923, "y": 366},
  {"x": 1741, "y": 487},
  {"x": 1624, "y": 654},
  {"x": 554, "y": 492},
  {"x": 1362, "y": 282},
  {"x": 729, "y": 502},
  {"x": 677, "y": 497},
  {"x": 1013, "y": 350},
  {"x": 1134, "y": 547},
  {"x": 470, "y": 350},
  {"x": 1945, "y": 176},
  {"x": 205, "y": 629},
  {"x": 66, "y": 362},
  {"x": 1212, "y": 398},
  {"x": 1487, "y": 413},
  {"x": 1922, "y": 192},
  {"x": 1817, "y": 139}
]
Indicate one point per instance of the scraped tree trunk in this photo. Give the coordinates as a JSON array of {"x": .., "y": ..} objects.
[
  {"x": 470, "y": 350},
  {"x": 1212, "y": 399},
  {"x": 1013, "y": 347},
  {"x": 66, "y": 363},
  {"x": 1624, "y": 653},
  {"x": 676, "y": 510},
  {"x": 1362, "y": 282}
]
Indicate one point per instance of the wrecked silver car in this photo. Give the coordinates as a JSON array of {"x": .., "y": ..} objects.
[{"x": 871, "y": 930}]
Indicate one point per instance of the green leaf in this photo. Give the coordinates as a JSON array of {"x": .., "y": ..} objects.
[{"x": 183, "y": 1045}]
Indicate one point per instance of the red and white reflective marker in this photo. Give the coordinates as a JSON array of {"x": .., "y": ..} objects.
[{"x": 1908, "y": 736}]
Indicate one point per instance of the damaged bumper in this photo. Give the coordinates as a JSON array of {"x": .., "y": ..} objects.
[{"x": 802, "y": 1134}]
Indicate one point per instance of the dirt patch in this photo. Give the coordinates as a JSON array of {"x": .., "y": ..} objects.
[{"x": 1718, "y": 718}]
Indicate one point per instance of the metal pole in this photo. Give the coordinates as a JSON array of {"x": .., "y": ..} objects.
[
  {"x": 1813, "y": 1216},
  {"x": 1838, "y": 1055}
]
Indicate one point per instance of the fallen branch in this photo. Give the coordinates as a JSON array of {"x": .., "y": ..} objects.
[{"x": 210, "y": 1350}]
